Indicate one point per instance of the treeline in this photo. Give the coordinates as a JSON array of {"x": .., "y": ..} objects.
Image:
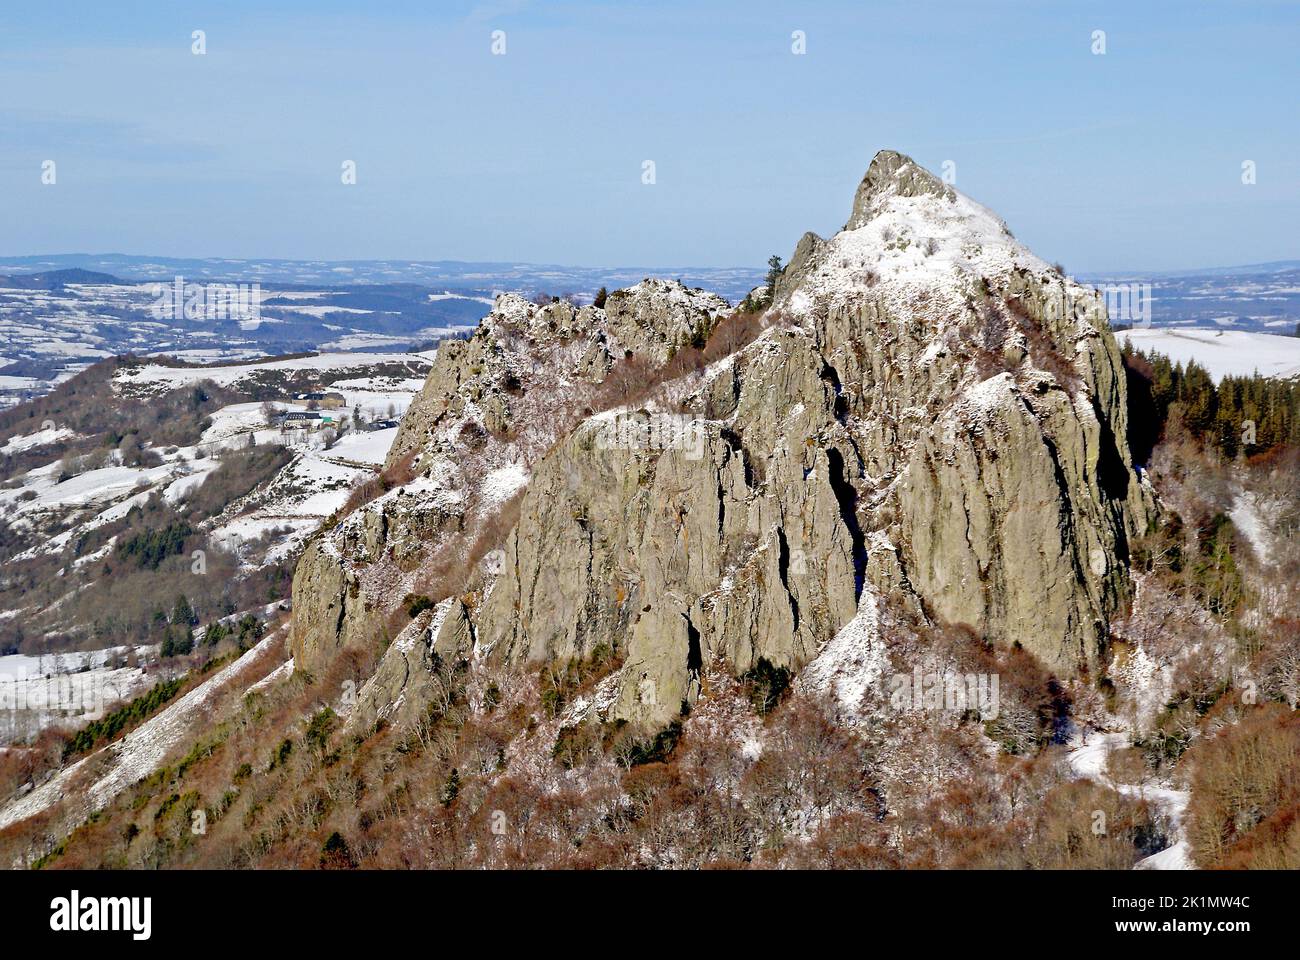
[
  {"x": 149, "y": 547},
  {"x": 110, "y": 725},
  {"x": 1247, "y": 415},
  {"x": 245, "y": 632}
]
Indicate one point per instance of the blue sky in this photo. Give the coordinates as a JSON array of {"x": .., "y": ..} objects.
[{"x": 1126, "y": 161}]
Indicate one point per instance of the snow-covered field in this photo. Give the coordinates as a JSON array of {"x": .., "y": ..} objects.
[
  {"x": 37, "y": 438},
  {"x": 369, "y": 447},
  {"x": 67, "y": 689},
  {"x": 161, "y": 377},
  {"x": 22, "y": 665},
  {"x": 1222, "y": 352}
]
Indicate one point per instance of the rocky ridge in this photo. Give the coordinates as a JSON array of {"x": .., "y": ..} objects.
[{"x": 931, "y": 416}]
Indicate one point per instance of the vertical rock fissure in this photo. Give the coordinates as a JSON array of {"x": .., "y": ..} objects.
[
  {"x": 1069, "y": 536},
  {"x": 1112, "y": 474},
  {"x": 694, "y": 656},
  {"x": 722, "y": 510},
  {"x": 847, "y": 497},
  {"x": 783, "y": 568},
  {"x": 839, "y": 406}
]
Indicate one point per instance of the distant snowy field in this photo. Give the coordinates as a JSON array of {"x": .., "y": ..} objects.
[
  {"x": 67, "y": 689},
  {"x": 1222, "y": 352},
  {"x": 233, "y": 374},
  {"x": 286, "y": 509}
]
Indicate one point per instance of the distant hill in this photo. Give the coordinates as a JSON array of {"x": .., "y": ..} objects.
[
  {"x": 56, "y": 279},
  {"x": 457, "y": 275},
  {"x": 1261, "y": 297}
]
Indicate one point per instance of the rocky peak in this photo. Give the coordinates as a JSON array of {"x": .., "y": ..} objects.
[
  {"x": 893, "y": 174},
  {"x": 654, "y": 316},
  {"x": 490, "y": 407},
  {"x": 909, "y": 235},
  {"x": 919, "y": 424}
]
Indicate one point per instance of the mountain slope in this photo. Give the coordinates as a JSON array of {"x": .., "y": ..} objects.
[{"x": 664, "y": 583}]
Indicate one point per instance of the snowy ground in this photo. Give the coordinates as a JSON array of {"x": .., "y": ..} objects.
[
  {"x": 851, "y": 662},
  {"x": 328, "y": 365},
  {"x": 30, "y": 441},
  {"x": 1222, "y": 352},
  {"x": 96, "y": 779},
  {"x": 23, "y": 665},
  {"x": 67, "y": 689},
  {"x": 1247, "y": 516},
  {"x": 1088, "y": 760}
]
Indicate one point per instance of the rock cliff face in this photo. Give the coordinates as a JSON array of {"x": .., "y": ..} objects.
[
  {"x": 931, "y": 413},
  {"x": 490, "y": 408}
]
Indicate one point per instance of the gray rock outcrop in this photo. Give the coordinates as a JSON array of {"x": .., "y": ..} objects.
[{"x": 931, "y": 413}]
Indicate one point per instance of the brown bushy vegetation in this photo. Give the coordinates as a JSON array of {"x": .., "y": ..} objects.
[
  {"x": 1220, "y": 609},
  {"x": 281, "y": 786},
  {"x": 240, "y": 472},
  {"x": 1245, "y": 793},
  {"x": 997, "y": 321},
  {"x": 30, "y": 762},
  {"x": 398, "y": 474}
]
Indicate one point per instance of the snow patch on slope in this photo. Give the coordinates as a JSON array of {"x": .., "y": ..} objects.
[
  {"x": 850, "y": 663},
  {"x": 1247, "y": 517},
  {"x": 1088, "y": 761},
  {"x": 17, "y": 444}
]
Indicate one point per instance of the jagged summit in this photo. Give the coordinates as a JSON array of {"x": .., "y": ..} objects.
[
  {"x": 893, "y": 174},
  {"x": 911, "y": 234}
]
